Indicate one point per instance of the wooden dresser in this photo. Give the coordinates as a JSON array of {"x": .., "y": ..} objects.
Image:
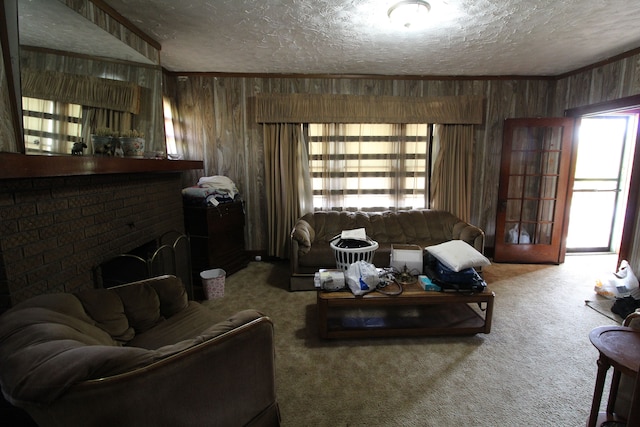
[{"x": 217, "y": 238}]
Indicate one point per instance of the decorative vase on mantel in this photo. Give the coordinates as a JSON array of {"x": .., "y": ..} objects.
[
  {"x": 132, "y": 144},
  {"x": 102, "y": 142}
]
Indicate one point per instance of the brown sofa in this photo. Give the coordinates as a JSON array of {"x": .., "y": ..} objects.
[
  {"x": 311, "y": 235},
  {"x": 134, "y": 355}
]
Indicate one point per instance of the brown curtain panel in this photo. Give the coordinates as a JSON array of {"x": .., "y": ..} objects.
[
  {"x": 284, "y": 149},
  {"x": 452, "y": 171}
]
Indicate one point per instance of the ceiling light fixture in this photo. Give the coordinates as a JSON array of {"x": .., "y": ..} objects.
[{"x": 409, "y": 13}]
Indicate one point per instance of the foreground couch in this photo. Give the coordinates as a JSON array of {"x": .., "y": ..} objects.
[
  {"x": 137, "y": 355},
  {"x": 311, "y": 235}
]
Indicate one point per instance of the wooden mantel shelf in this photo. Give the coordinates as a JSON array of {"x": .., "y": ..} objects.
[{"x": 16, "y": 165}]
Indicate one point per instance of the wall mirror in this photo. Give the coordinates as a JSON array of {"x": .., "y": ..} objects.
[{"x": 84, "y": 74}]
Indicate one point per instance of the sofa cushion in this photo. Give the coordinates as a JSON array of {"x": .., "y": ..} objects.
[
  {"x": 384, "y": 227},
  {"x": 328, "y": 224},
  {"x": 186, "y": 324},
  {"x": 141, "y": 305},
  {"x": 171, "y": 294},
  {"x": 106, "y": 309}
]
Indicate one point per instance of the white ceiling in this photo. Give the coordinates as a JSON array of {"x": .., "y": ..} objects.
[{"x": 461, "y": 37}]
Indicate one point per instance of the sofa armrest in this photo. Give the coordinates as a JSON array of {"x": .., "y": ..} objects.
[
  {"x": 470, "y": 234},
  {"x": 304, "y": 234},
  {"x": 229, "y": 378}
]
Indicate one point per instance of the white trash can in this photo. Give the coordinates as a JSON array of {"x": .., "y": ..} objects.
[{"x": 213, "y": 283}]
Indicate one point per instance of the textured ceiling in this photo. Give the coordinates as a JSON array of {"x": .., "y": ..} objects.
[{"x": 461, "y": 37}]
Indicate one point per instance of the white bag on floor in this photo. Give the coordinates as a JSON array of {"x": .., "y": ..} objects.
[
  {"x": 622, "y": 283},
  {"x": 362, "y": 277}
]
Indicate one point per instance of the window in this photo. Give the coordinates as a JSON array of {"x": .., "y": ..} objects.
[
  {"x": 369, "y": 166},
  {"x": 50, "y": 126},
  {"x": 168, "y": 126}
]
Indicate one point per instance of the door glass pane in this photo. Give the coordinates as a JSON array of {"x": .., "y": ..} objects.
[
  {"x": 551, "y": 163},
  {"x": 516, "y": 234},
  {"x": 532, "y": 189},
  {"x": 530, "y": 210},
  {"x": 593, "y": 162},
  {"x": 532, "y": 161},
  {"x": 513, "y": 210},
  {"x": 552, "y": 138},
  {"x": 543, "y": 234},
  {"x": 595, "y": 185},
  {"x": 549, "y": 187},
  {"x": 588, "y": 209},
  {"x": 547, "y": 210}
]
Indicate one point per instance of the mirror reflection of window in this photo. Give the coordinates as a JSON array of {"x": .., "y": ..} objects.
[{"x": 51, "y": 127}]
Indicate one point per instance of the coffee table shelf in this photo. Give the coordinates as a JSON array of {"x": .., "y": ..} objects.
[{"x": 413, "y": 313}]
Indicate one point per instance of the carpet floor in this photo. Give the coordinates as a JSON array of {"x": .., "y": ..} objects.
[{"x": 536, "y": 367}]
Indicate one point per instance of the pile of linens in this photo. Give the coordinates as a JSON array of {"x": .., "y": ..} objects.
[{"x": 211, "y": 191}]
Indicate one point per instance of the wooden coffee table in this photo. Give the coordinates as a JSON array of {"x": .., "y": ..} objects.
[{"x": 415, "y": 312}]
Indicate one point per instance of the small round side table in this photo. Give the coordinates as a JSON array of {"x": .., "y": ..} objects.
[{"x": 619, "y": 347}]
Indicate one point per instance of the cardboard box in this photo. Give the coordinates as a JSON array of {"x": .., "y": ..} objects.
[{"x": 410, "y": 256}]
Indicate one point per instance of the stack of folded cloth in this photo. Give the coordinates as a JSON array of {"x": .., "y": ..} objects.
[{"x": 210, "y": 191}]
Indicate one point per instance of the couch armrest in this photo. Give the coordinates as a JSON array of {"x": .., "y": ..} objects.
[
  {"x": 470, "y": 234},
  {"x": 304, "y": 234},
  {"x": 226, "y": 380}
]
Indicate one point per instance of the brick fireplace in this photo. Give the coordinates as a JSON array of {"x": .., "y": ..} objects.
[{"x": 55, "y": 230}]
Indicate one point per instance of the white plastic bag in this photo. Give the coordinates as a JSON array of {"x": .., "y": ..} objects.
[
  {"x": 514, "y": 235},
  {"x": 362, "y": 277},
  {"x": 622, "y": 283}
]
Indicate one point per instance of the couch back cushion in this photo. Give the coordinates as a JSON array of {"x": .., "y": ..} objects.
[
  {"x": 141, "y": 305},
  {"x": 106, "y": 309},
  {"x": 384, "y": 227},
  {"x": 150, "y": 301},
  {"x": 427, "y": 225},
  {"x": 328, "y": 224},
  {"x": 403, "y": 226},
  {"x": 171, "y": 294}
]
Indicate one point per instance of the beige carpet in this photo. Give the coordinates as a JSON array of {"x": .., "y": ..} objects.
[{"x": 536, "y": 367}]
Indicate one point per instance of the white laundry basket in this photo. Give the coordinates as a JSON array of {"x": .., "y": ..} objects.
[
  {"x": 213, "y": 283},
  {"x": 347, "y": 256}
]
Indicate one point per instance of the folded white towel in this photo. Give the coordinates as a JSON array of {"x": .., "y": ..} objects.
[{"x": 219, "y": 182}]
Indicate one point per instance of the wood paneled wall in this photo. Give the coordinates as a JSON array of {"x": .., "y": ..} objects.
[
  {"x": 217, "y": 121},
  {"x": 217, "y": 124}
]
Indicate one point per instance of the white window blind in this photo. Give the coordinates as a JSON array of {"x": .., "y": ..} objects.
[{"x": 369, "y": 166}]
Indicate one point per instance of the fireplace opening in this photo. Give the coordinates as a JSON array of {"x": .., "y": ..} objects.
[{"x": 168, "y": 254}]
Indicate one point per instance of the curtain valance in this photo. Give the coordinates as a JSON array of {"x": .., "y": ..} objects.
[
  {"x": 84, "y": 90},
  {"x": 312, "y": 108}
]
